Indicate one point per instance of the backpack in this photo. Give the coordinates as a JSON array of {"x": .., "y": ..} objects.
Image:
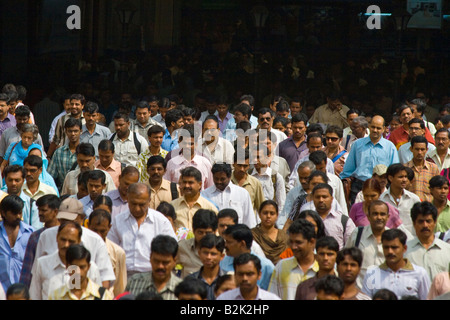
[
  {"x": 173, "y": 190},
  {"x": 137, "y": 144},
  {"x": 344, "y": 220},
  {"x": 101, "y": 291},
  {"x": 358, "y": 236}
]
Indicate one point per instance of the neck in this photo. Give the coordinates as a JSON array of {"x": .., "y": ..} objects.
[
  {"x": 192, "y": 198},
  {"x": 426, "y": 241},
  {"x": 396, "y": 192},
  {"x": 398, "y": 265},
  {"x": 240, "y": 176},
  {"x": 125, "y": 135},
  {"x": 210, "y": 273},
  {"x": 438, "y": 203},
  {"x": 91, "y": 127},
  {"x": 73, "y": 145},
  {"x": 441, "y": 152},
  {"x": 33, "y": 186},
  {"x": 322, "y": 273},
  {"x": 155, "y": 150},
  {"x": 350, "y": 290},
  {"x": 160, "y": 283},
  {"x": 155, "y": 184},
  {"x": 52, "y": 223},
  {"x": 377, "y": 232},
  {"x": 251, "y": 294}
]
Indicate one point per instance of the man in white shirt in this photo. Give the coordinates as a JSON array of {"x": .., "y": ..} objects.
[
  {"x": 71, "y": 209},
  {"x": 441, "y": 154},
  {"x": 214, "y": 147},
  {"x": 226, "y": 194},
  {"x": 135, "y": 229},
  {"x": 396, "y": 273}
]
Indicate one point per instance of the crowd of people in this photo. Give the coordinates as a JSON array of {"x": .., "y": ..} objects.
[{"x": 153, "y": 199}]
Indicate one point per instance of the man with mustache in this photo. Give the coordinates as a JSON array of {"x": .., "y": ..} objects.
[
  {"x": 14, "y": 241},
  {"x": 397, "y": 273},
  {"x": 426, "y": 250},
  {"x": 348, "y": 265},
  {"x": 441, "y": 154}
]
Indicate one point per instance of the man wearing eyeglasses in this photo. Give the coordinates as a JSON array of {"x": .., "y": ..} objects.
[
  {"x": 334, "y": 150},
  {"x": 265, "y": 121}
]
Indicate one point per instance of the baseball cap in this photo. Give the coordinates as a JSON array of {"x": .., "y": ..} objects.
[
  {"x": 69, "y": 209},
  {"x": 380, "y": 169}
]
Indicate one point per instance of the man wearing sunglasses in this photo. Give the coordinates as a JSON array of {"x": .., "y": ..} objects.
[
  {"x": 334, "y": 150},
  {"x": 265, "y": 121}
]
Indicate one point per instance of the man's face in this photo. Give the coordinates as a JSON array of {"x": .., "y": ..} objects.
[
  {"x": 440, "y": 193},
  {"x": 357, "y": 130},
  {"x": 20, "y": 121},
  {"x": 188, "y": 145},
  {"x": 200, "y": 233},
  {"x": 334, "y": 104},
  {"x": 153, "y": 108},
  {"x": 233, "y": 247},
  {"x": 239, "y": 116},
  {"x": 142, "y": 115},
  {"x": 400, "y": 180},
  {"x": 247, "y": 276},
  {"x": 14, "y": 182},
  {"x": 295, "y": 107},
  {"x": 4, "y": 109},
  {"x": 66, "y": 237},
  {"x": 47, "y": 214},
  {"x": 125, "y": 181},
  {"x": 210, "y": 258},
  {"x": 211, "y": 107},
  {"x": 105, "y": 157},
  {"x": 178, "y": 124},
  {"x": 221, "y": 180},
  {"x": 382, "y": 180},
  {"x": 82, "y": 268},
  {"x": 12, "y": 219},
  {"x": 12, "y": 106},
  {"x": 322, "y": 166},
  {"x": 298, "y": 130},
  {"x": 222, "y": 109},
  {"x": 85, "y": 162},
  {"x": 378, "y": 217},
  {"x": 100, "y": 227},
  {"x": 67, "y": 105},
  {"x": 303, "y": 175},
  {"x": 122, "y": 127},
  {"x": 31, "y": 173},
  {"x": 442, "y": 141},
  {"x": 376, "y": 128},
  {"x": 76, "y": 107},
  {"x": 314, "y": 144},
  {"x": 419, "y": 150},
  {"x": 210, "y": 131},
  {"x": 188, "y": 119},
  {"x": 424, "y": 226},
  {"x": 156, "y": 172},
  {"x": 162, "y": 265},
  {"x": 95, "y": 188},
  {"x": 326, "y": 258},
  {"x": 350, "y": 118},
  {"x": 138, "y": 204},
  {"x": 284, "y": 114},
  {"x": 333, "y": 140},
  {"x": 348, "y": 269},
  {"x": 415, "y": 130},
  {"x": 322, "y": 200},
  {"x": 415, "y": 113},
  {"x": 265, "y": 121},
  {"x": 156, "y": 139},
  {"x": 223, "y": 224},
  {"x": 300, "y": 246},
  {"x": 241, "y": 168},
  {"x": 190, "y": 186},
  {"x": 73, "y": 134},
  {"x": 405, "y": 116},
  {"x": 393, "y": 251},
  {"x": 91, "y": 118}
]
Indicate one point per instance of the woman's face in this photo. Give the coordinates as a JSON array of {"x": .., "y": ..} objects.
[
  {"x": 370, "y": 195},
  {"x": 311, "y": 219},
  {"x": 268, "y": 216},
  {"x": 27, "y": 139}
]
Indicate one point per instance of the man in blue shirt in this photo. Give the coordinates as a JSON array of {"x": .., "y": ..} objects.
[
  {"x": 174, "y": 121},
  {"x": 238, "y": 240},
  {"x": 14, "y": 235},
  {"x": 365, "y": 154}
]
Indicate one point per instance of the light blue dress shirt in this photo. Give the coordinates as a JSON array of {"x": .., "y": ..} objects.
[
  {"x": 364, "y": 156},
  {"x": 170, "y": 143}
]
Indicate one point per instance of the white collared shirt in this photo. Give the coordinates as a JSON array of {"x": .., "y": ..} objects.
[
  {"x": 125, "y": 150},
  {"x": 235, "y": 294},
  {"x": 437, "y": 160},
  {"x": 271, "y": 192},
  {"x": 70, "y": 185},
  {"x": 223, "y": 151},
  {"x": 92, "y": 241},
  {"x": 234, "y": 197},
  {"x": 49, "y": 273},
  {"x": 136, "y": 240}
]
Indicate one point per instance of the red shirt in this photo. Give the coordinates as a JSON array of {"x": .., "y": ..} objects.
[{"x": 400, "y": 136}]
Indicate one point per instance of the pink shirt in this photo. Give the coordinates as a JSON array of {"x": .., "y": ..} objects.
[
  {"x": 360, "y": 218},
  {"x": 177, "y": 163},
  {"x": 439, "y": 286},
  {"x": 114, "y": 170}
]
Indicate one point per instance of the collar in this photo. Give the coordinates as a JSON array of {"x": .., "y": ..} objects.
[
  {"x": 416, "y": 242},
  {"x": 180, "y": 159},
  {"x": 267, "y": 172},
  {"x": 292, "y": 263},
  {"x": 408, "y": 266}
]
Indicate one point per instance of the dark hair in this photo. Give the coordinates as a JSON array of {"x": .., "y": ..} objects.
[
  {"x": 330, "y": 284},
  {"x": 221, "y": 280},
  {"x": 249, "y": 98},
  {"x": 191, "y": 285},
  {"x": 72, "y": 122},
  {"x": 191, "y": 172},
  {"x": 303, "y": 227},
  {"x": 74, "y": 224},
  {"x": 354, "y": 252},
  {"x": 149, "y": 295},
  {"x": 34, "y": 161},
  {"x": 167, "y": 209},
  {"x": 155, "y": 129},
  {"x": 403, "y": 107},
  {"x": 423, "y": 208},
  {"x": 264, "y": 111},
  {"x": 299, "y": 117},
  {"x": 50, "y": 200},
  {"x": 240, "y": 232},
  {"x": 222, "y": 167},
  {"x": 267, "y": 203},
  {"x": 243, "y": 108},
  {"x": 106, "y": 145},
  {"x": 164, "y": 244},
  {"x": 317, "y": 157},
  {"x": 395, "y": 168},
  {"x": 173, "y": 115},
  {"x": 315, "y": 216},
  {"x": 97, "y": 175},
  {"x": 419, "y": 139},
  {"x": 189, "y": 129},
  {"x": 378, "y": 203},
  {"x": 91, "y": 107},
  {"x": 335, "y": 129},
  {"x": 318, "y": 173},
  {"x": 327, "y": 242},
  {"x": 228, "y": 212},
  {"x": 164, "y": 103},
  {"x": 384, "y": 294},
  {"x": 204, "y": 219},
  {"x": 313, "y": 135},
  {"x": 282, "y": 105},
  {"x": 442, "y": 130},
  {"x": 438, "y": 182},
  {"x": 83, "y": 179},
  {"x": 18, "y": 288},
  {"x": 101, "y": 215},
  {"x": 86, "y": 149},
  {"x": 77, "y": 96},
  {"x": 12, "y": 168},
  {"x": 211, "y": 117},
  {"x": 11, "y": 203},
  {"x": 419, "y": 121},
  {"x": 323, "y": 186},
  {"x": 122, "y": 115},
  {"x": 212, "y": 241},
  {"x": 142, "y": 105},
  {"x": 420, "y": 105},
  {"x": 156, "y": 160},
  {"x": 22, "y": 111},
  {"x": 77, "y": 252},
  {"x": 373, "y": 184},
  {"x": 4, "y": 97},
  {"x": 129, "y": 170},
  {"x": 353, "y": 111},
  {"x": 245, "y": 258},
  {"x": 392, "y": 234},
  {"x": 103, "y": 199}
]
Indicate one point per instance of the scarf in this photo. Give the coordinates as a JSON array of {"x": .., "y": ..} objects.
[{"x": 272, "y": 249}]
